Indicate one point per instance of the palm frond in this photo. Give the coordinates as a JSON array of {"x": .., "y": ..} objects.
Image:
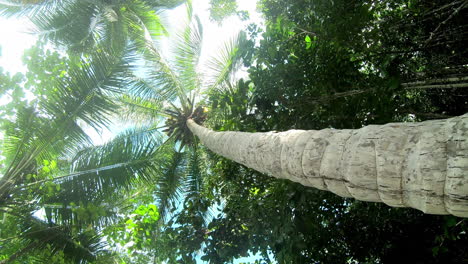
[
  {"x": 170, "y": 185},
  {"x": 176, "y": 77},
  {"x": 163, "y": 74},
  {"x": 141, "y": 111},
  {"x": 144, "y": 101},
  {"x": 50, "y": 129},
  {"x": 224, "y": 65},
  {"x": 83, "y": 25},
  {"x": 194, "y": 185},
  {"x": 99, "y": 172},
  {"x": 26, "y": 135},
  {"x": 75, "y": 25},
  {"x": 147, "y": 89},
  {"x": 10, "y": 8},
  {"x": 165, "y": 4},
  {"x": 143, "y": 21},
  {"x": 187, "y": 50},
  {"x": 18, "y": 137},
  {"x": 82, "y": 215},
  {"x": 194, "y": 179},
  {"x": 99, "y": 177},
  {"x": 78, "y": 247}
]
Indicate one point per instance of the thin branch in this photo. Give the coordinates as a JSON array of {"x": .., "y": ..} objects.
[
  {"x": 438, "y": 86},
  {"x": 445, "y": 21},
  {"x": 441, "y": 80}
]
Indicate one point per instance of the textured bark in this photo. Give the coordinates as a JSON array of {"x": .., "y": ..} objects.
[{"x": 419, "y": 165}]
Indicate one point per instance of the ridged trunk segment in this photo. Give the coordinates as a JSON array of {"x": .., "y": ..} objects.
[{"x": 420, "y": 165}]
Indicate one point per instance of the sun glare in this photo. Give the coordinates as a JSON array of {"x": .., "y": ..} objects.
[{"x": 14, "y": 39}]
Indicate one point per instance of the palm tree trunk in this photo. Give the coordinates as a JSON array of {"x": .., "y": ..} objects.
[{"x": 420, "y": 165}]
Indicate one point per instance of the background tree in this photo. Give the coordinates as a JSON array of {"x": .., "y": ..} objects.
[
  {"x": 50, "y": 163},
  {"x": 343, "y": 57},
  {"x": 81, "y": 26},
  {"x": 222, "y": 9},
  {"x": 57, "y": 190}
]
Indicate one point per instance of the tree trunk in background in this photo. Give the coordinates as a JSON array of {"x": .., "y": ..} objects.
[{"x": 420, "y": 165}]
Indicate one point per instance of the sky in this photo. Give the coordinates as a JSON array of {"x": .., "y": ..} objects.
[{"x": 14, "y": 39}]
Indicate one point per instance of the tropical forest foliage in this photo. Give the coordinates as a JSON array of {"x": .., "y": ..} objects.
[{"x": 153, "y": 193}]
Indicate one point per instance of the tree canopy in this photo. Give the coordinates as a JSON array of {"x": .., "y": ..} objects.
[{"x": 148, "y": 196}]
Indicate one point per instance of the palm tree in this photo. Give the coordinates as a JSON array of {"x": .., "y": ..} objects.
[
  {"x": 388, "y": 164},
  {"x": 55, "y": 184},
  {"x": 418, "y": 165},
  {"x": 391, "y": 165},
  {"x": 85, "y": 25},
  {"x": 171, "y": 88},
  {"x": 51, "y": 165}
]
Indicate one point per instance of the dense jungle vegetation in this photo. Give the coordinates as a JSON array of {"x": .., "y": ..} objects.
[{"x": 152, "y": 194}]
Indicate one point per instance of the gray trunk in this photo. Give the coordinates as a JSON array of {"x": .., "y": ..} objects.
[{"x": 419, "y": 165}]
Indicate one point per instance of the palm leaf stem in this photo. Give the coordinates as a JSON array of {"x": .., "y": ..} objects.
[
  {"x": 19, "y": 253},
  {"x": 6, "y": 179},
  {"x": 95, "y": 170}
]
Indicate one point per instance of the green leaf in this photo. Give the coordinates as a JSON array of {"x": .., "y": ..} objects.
[
  {"x": 46, "y": 169},
  {"x": 308, "y": 41},
  {"x": 53, "y": 164},
  {"x": 451, "y": 221}
]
